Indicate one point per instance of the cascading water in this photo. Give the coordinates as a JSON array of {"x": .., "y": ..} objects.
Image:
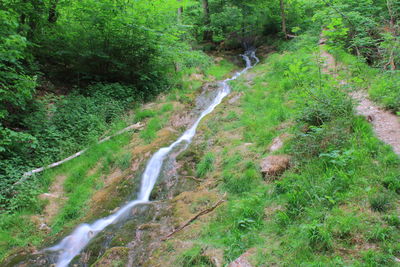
[{"x": 73, "y": 244}]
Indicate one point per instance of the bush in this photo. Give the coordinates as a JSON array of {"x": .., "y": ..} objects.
[
  {"x": 323, "y": 106},
  {"x": 121, "y": 93},
  {"x": 320, "y": 141}
]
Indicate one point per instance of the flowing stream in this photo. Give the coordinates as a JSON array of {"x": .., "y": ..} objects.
[{"x": 73, "y": 244}]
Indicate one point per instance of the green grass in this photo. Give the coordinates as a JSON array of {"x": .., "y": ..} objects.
[
  {"x": 205, "y": 165},
  {"x": 221, "y": 70}
]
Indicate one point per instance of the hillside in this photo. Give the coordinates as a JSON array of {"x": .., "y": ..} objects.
[{"x": 200, "y": 133}]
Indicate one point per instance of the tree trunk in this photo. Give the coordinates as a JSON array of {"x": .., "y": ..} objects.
[
  {"x": 284, "y": 31},
  {"x": 207, "y": 35},
  {"x": 392, "y": 25},
  {"x": 53, "y": 14},
  {"x": 180, "y": 11}
]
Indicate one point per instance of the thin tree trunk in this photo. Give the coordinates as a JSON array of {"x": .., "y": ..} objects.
[
  {"x": 53, "y": 15},
  {"x": 283, "y": 16},
  {"x": 207, "y": 35},
  {"x": 393, "y": 32},
  {"x": 180, "y": 11}
]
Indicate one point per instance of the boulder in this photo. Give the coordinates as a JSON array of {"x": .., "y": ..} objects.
[{"x": 274, "y": 166}]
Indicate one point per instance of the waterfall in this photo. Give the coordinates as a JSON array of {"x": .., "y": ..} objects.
[{"x": 73, "y": 244}]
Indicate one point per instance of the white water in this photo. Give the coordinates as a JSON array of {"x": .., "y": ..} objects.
[{"x": 73, "y": 244}]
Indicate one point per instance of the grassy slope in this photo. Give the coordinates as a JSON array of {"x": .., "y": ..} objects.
[
  {"x": 88, "y": 192},
  {"x": 338, "y": 204}
]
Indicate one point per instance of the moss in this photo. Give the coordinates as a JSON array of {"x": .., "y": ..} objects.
[{"x": 114, "y": 257}]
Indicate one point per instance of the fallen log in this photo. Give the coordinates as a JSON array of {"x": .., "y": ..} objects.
[{"x": 136, "y": 126}]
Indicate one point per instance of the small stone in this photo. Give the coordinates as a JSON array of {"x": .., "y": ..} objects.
[
  {"x": 242, "y": 261},
  {"x": 274, "y": 166}
]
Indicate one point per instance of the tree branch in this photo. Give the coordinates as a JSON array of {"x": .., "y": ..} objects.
[{"x": 201, "y": 213}]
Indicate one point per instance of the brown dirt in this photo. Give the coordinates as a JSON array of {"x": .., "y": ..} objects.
[
  {"x": 56, "y": 198},
  {"x": 386, "y": 125}
]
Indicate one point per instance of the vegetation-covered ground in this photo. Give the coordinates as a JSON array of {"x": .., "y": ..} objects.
[
  {"x": 338, "y": 203},
  {"x": 73, "y": 72},
  {"x": 100, "y": 180}
]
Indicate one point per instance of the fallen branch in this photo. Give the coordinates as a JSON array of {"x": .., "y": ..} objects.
[
  {"x": 135, "y": 126},
  {"x": 201, "y": 213},
  {"x": 193, "y": 178}
]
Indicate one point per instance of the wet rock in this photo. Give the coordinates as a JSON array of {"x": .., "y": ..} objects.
[
  {"x": 242, "y": 261},
  {"x": 274, "y": 166}
]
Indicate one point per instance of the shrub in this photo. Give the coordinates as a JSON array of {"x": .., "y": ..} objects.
[
  {"x": 116, "y": 91},
  {"x": 323, "y": 106},
  {"x": 316, "y": 141}
]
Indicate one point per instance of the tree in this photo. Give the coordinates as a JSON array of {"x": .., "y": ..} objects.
[
  {"x": 283, "y": 17},
  {"x": 208, "y": 34}
]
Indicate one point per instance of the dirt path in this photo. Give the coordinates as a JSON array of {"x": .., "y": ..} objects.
[
  {"x": 386, "y": 125},
  {"x": 55, "y": 197}
]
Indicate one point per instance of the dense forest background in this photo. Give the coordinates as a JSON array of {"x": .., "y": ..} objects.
[{"x": 69, "y": 69}]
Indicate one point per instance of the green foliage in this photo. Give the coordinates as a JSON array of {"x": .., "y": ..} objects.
[
  {"x": 386, "y": 90},
  {"x": 16, "y": 87}
]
